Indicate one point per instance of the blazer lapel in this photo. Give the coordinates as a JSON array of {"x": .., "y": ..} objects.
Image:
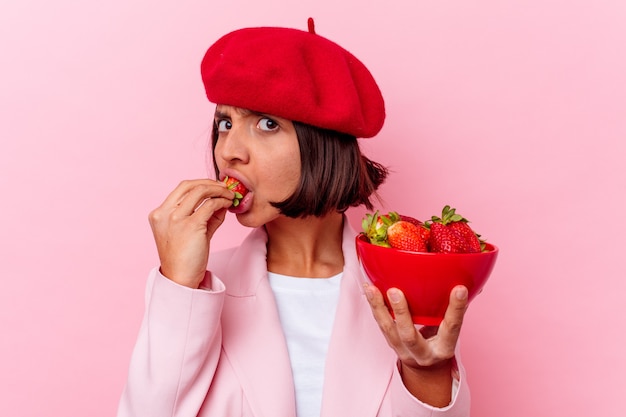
[
  {"x": 358, "y": 366},
  {"x": 253, "y": 339}
]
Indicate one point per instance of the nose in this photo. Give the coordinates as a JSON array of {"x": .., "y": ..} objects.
[{"x": 232, "y": 147}]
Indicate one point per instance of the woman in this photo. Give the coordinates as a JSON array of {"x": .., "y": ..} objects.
[{"x": 282, "y": 325}]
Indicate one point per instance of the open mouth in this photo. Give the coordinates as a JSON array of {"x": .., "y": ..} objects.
[{"x": 240, "y": 202}]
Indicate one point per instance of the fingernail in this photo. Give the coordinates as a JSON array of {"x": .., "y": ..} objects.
[
  {"x": 394, "y": 295},
  {"x": 461, "y": 293}
]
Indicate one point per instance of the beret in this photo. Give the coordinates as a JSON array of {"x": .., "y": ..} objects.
[{"x": 296, "y": 75}]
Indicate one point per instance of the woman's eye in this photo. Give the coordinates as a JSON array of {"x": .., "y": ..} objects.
[
  {"x": 223, "y": 125},
  {"x": 267, "y": 124}
]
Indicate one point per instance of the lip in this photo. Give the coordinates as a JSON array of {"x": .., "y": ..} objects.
[
  {"x": 245, "y": 203},
  {"x": 231, "y": 173}
]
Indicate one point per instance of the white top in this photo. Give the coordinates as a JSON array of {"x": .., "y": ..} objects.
[{"x": 306, "y": 307}]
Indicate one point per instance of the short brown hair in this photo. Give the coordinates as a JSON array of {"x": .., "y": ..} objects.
[{"x": 335, "y": 175}]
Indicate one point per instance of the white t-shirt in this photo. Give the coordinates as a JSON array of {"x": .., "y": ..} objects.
[{"x": 306, "y": 307}]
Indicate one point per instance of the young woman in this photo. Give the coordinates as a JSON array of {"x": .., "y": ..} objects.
[{"x": 284, "y": 325}]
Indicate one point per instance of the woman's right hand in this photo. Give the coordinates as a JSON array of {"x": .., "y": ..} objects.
[{"x": 184, "y": 225}]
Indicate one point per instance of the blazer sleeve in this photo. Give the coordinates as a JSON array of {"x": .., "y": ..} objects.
[
  {"x": 177, "y": 350},
  {"x": 405, "y": 404}
]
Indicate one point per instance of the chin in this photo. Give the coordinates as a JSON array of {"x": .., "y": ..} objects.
[
  {"x": 245, "y": 221},
  {"x": 253, "y": 219}
]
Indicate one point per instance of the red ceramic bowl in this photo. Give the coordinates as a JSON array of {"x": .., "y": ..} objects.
[{"x": 426, "y": 279}]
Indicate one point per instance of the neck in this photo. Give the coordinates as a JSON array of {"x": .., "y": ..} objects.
[{"x": 309, "y": 247}]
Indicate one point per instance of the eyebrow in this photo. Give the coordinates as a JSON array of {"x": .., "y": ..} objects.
[
  {"x": 243, "y": 112},
  {"x": 221, "y": 115}
]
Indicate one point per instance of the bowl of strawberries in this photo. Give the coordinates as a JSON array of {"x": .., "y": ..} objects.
[{"x": 425, "y": 260}]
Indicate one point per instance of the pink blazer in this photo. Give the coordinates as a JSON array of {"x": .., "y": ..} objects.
[{"x": 222, "y": 353}]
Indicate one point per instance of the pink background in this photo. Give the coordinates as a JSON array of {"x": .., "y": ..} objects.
[{"x": 513, "y": 112}]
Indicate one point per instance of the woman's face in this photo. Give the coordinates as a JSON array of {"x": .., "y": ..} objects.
[{"x": 262, "y": 152}]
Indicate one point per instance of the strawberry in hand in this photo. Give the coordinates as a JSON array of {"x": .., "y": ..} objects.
[
  {"x": 237, "y": 187},
  {"x": 450, "y": 233}
]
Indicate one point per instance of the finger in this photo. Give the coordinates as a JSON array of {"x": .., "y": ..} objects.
[
  {"x": 216, "y": 219},
  {"x": 213, "y": 213},
  {"x": 381, "y": 313},
  {"x": 201, "y": 195},
  {"x": 405, "y": 327},
  {"x": 184, "y": 187},
  {"x": 450, "y": 327}
]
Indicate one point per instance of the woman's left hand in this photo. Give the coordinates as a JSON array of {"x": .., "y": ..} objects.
[{"x": 425, "y": 353}]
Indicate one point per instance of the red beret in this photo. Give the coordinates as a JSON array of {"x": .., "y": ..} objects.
[{"x": 294, "y": 74}]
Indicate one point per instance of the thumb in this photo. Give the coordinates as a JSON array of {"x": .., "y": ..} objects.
[
  {"x": 216, "y": 219},
  {"x": 453, "y": 319}
]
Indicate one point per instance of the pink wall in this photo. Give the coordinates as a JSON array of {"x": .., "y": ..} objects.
[{"x": 514, "y": 112}]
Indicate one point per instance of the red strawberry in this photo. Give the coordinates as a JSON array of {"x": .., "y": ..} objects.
[
  {"x": 410, "y": 220},
  {"x": 424, "y": 231},
  {"x": 406, "y": 236},
  {"x": 396, "y": 231},
  {"x": 237, "y": 187},
  {"x": 452, "y": 234},
  {"x": 470, "y": 237}
]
